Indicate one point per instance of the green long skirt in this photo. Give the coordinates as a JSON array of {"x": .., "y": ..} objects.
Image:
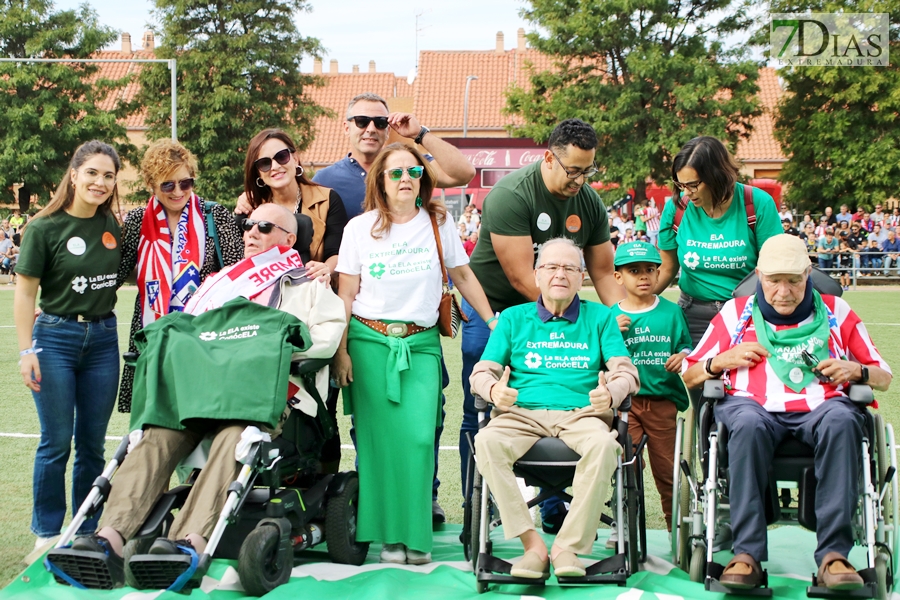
[{"x": 395, "y": 440}]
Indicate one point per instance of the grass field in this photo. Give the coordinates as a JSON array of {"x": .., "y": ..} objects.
[{"x": 18, "y": 416}]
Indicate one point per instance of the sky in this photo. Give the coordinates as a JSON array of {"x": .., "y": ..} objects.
[{"x": 355, "y": 32}]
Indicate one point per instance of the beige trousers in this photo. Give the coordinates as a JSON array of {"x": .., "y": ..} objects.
[
  {"x": 144, "y": 477},
  {"x": 510, "y": 435}
]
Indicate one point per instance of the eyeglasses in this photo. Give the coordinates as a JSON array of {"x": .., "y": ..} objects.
[
  {"x": 690, "y": 186},
  {"x": 265, "y": 227},
  {"x": 397, "y": 174},
  {"x": 363, "y": 122},
  {"x": 184, "y": 185},
  {"x": 264, "y": 165},
  {"x": 552, "y": 268},
  {"x": 574, "y": 172}
]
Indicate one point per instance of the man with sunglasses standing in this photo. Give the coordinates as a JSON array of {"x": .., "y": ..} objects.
[
  {"x": 366, "y": 125},
  {"x": 548, "y": 199}
]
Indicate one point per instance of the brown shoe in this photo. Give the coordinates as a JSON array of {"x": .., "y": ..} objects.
[
  {"x": 742, "y": 573},
  {"x": 836, "y": 573}
]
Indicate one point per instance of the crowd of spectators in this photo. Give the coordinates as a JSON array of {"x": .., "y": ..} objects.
[
  {"x": 846, "y": 242},
  {"x": 9, "y": 245}
]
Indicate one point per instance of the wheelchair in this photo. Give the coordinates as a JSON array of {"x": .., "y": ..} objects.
[
  {"x": 278, "y": 506},
  {"x": 550, "y": 464},
  {"x": 698, "y": 499}
]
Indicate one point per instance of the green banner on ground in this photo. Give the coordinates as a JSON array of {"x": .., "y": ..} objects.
[{"x": 449, "y": 577}]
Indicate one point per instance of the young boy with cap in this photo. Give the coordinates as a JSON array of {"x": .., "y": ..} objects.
[{"x": 656, "y": 335}]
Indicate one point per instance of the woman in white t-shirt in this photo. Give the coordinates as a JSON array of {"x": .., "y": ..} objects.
[{"x": 389, "y": 361}]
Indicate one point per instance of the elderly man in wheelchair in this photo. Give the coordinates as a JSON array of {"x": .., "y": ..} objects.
[
  {"x": 185, "y": 405},
  {"x": 555, "y": 368},
  {"x": 788, "y": 357}
]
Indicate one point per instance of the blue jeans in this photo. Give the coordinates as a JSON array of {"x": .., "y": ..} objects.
[
  {"x": 79, "y": 378},
  {"x": 475, "y": 334}
]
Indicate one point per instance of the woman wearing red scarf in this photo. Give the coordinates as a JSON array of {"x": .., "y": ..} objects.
[{"x": 171, "y": 266}]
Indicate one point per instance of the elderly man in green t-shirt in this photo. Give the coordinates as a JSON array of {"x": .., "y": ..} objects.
[{"x": 554, "y": 368}]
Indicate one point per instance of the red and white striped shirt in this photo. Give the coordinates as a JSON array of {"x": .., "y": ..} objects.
[
  {"x": 651, "y": 213},
  {"x": 850, "y": 339}
]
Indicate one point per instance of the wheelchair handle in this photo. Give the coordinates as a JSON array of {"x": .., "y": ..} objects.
[
  {"x": 308, "y": 365},
  {"x": 131, "y": 358},
  {"x": 480, "y": 403}
]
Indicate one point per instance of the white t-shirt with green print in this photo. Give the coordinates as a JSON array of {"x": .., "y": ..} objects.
[{"x": 400, "y": 274}]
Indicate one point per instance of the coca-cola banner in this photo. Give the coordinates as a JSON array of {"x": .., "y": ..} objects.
[{"x": 500, "y": 158}]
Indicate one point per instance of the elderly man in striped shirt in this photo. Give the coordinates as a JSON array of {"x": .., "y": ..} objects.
[{"x": 788, "y": 356}]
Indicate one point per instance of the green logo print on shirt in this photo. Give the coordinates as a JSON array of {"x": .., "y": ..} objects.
[{"x": 376, "y": 270}]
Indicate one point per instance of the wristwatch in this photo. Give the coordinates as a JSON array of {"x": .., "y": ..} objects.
[
  {"x": 863, "y": 374},
  {"x": 422, "y": 133}
]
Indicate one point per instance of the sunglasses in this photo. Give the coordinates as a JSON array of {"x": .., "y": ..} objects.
[
  {"x": 363, "y": 122},
  {"x": 265, "y": 227},
  {"x": 397, "y": 174},
  {"x": 264, "y": 165},
  {"x": 811, "y": 361},
  {"x": 184, "y": 185}
]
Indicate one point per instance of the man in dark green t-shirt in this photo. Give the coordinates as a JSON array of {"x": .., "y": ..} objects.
[
  {"x": 556, "y": 367},
  {"x": 545, "y": 200}
]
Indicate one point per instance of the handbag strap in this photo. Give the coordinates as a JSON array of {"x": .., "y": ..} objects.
[{"x": 437, "y": 238}]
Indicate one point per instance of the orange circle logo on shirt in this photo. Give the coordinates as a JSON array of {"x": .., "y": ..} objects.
[
  {"x": 573, "y": 223},
  {"x": 109, "y": 240}
]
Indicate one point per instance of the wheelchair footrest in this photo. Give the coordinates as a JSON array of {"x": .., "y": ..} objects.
[
  {"x": 714, "y": 570},
  {"x": 608, "y": 570},
  {"x": 93, "y": 570},
  {"x": 159, "y": 571},
  {"x": 496, "y": 570},
  {"x": 868, "y": 590}
]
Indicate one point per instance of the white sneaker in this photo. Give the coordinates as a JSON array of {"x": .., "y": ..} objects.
[
  {"x": 40, "y": 542},
  {"x": 394, "y": 553},
  {"x": 612, "y": 542},
  {"x": 414, "y": 557}
]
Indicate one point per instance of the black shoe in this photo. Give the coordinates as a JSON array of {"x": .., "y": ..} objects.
[
  {"x": 553, "y": 523},
  {"x": 437, "y": 513},
  {"x": 99, "y": 568},
  {"x": 166, "y": 546}
]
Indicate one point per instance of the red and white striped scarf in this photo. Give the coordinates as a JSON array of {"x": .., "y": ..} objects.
[
  {"x": 247, "y": 278},
  {"x": 168, "y": 267}
]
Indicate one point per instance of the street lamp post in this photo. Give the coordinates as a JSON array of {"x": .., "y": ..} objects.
[{"x": 469, "y": 80}]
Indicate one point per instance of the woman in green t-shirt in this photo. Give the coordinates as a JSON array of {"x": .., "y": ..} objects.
[
  {"x": 70, "y": 352},
  {"x": 721, "y": 229}
]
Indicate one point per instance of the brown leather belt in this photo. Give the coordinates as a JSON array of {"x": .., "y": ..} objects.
[{"x": 400, "y": 330}]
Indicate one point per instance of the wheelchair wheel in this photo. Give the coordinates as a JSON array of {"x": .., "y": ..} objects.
[
  {"x": 340, "y": 526},
  {"x": 632, "y": 474},
  {"x": 883, "y": 461},
  {"x": 132, "y": 548},
  {"x": 698, "y": 564},
  {"x": 683, "y": 498},
  {"x": 473, "y": 540},
  {"x": 882, "y": 571},
  {"x": 258, "y": 567}
]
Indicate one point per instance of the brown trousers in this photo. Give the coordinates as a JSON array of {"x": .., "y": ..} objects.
[
  {"x": 510, "y": 435},
  {"x": 145, "y": 473},
  {"x": 656, "y": 417}
]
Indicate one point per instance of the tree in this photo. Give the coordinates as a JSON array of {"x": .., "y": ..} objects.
[
  {"x": 648, "y": 75},
  {"x": 838, "y": 126},
  {"x": 238, "y": 73},
  {"x": 48, "y": 109}
]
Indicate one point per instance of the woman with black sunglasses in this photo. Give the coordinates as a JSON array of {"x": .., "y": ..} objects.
[
  {"x": 170, "y": 267},
  {"x": 272, "y": 173},
  {"x": 713, "y": 231}
]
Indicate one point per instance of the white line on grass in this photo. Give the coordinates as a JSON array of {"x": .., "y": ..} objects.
[{"x": 114, "y": 437}]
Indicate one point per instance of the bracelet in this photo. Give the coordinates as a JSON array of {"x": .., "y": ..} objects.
[
  {"x": 710, "y": 372},
  {"x": 27, "y": 351},
  {"x": 491, "y": 320}
]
